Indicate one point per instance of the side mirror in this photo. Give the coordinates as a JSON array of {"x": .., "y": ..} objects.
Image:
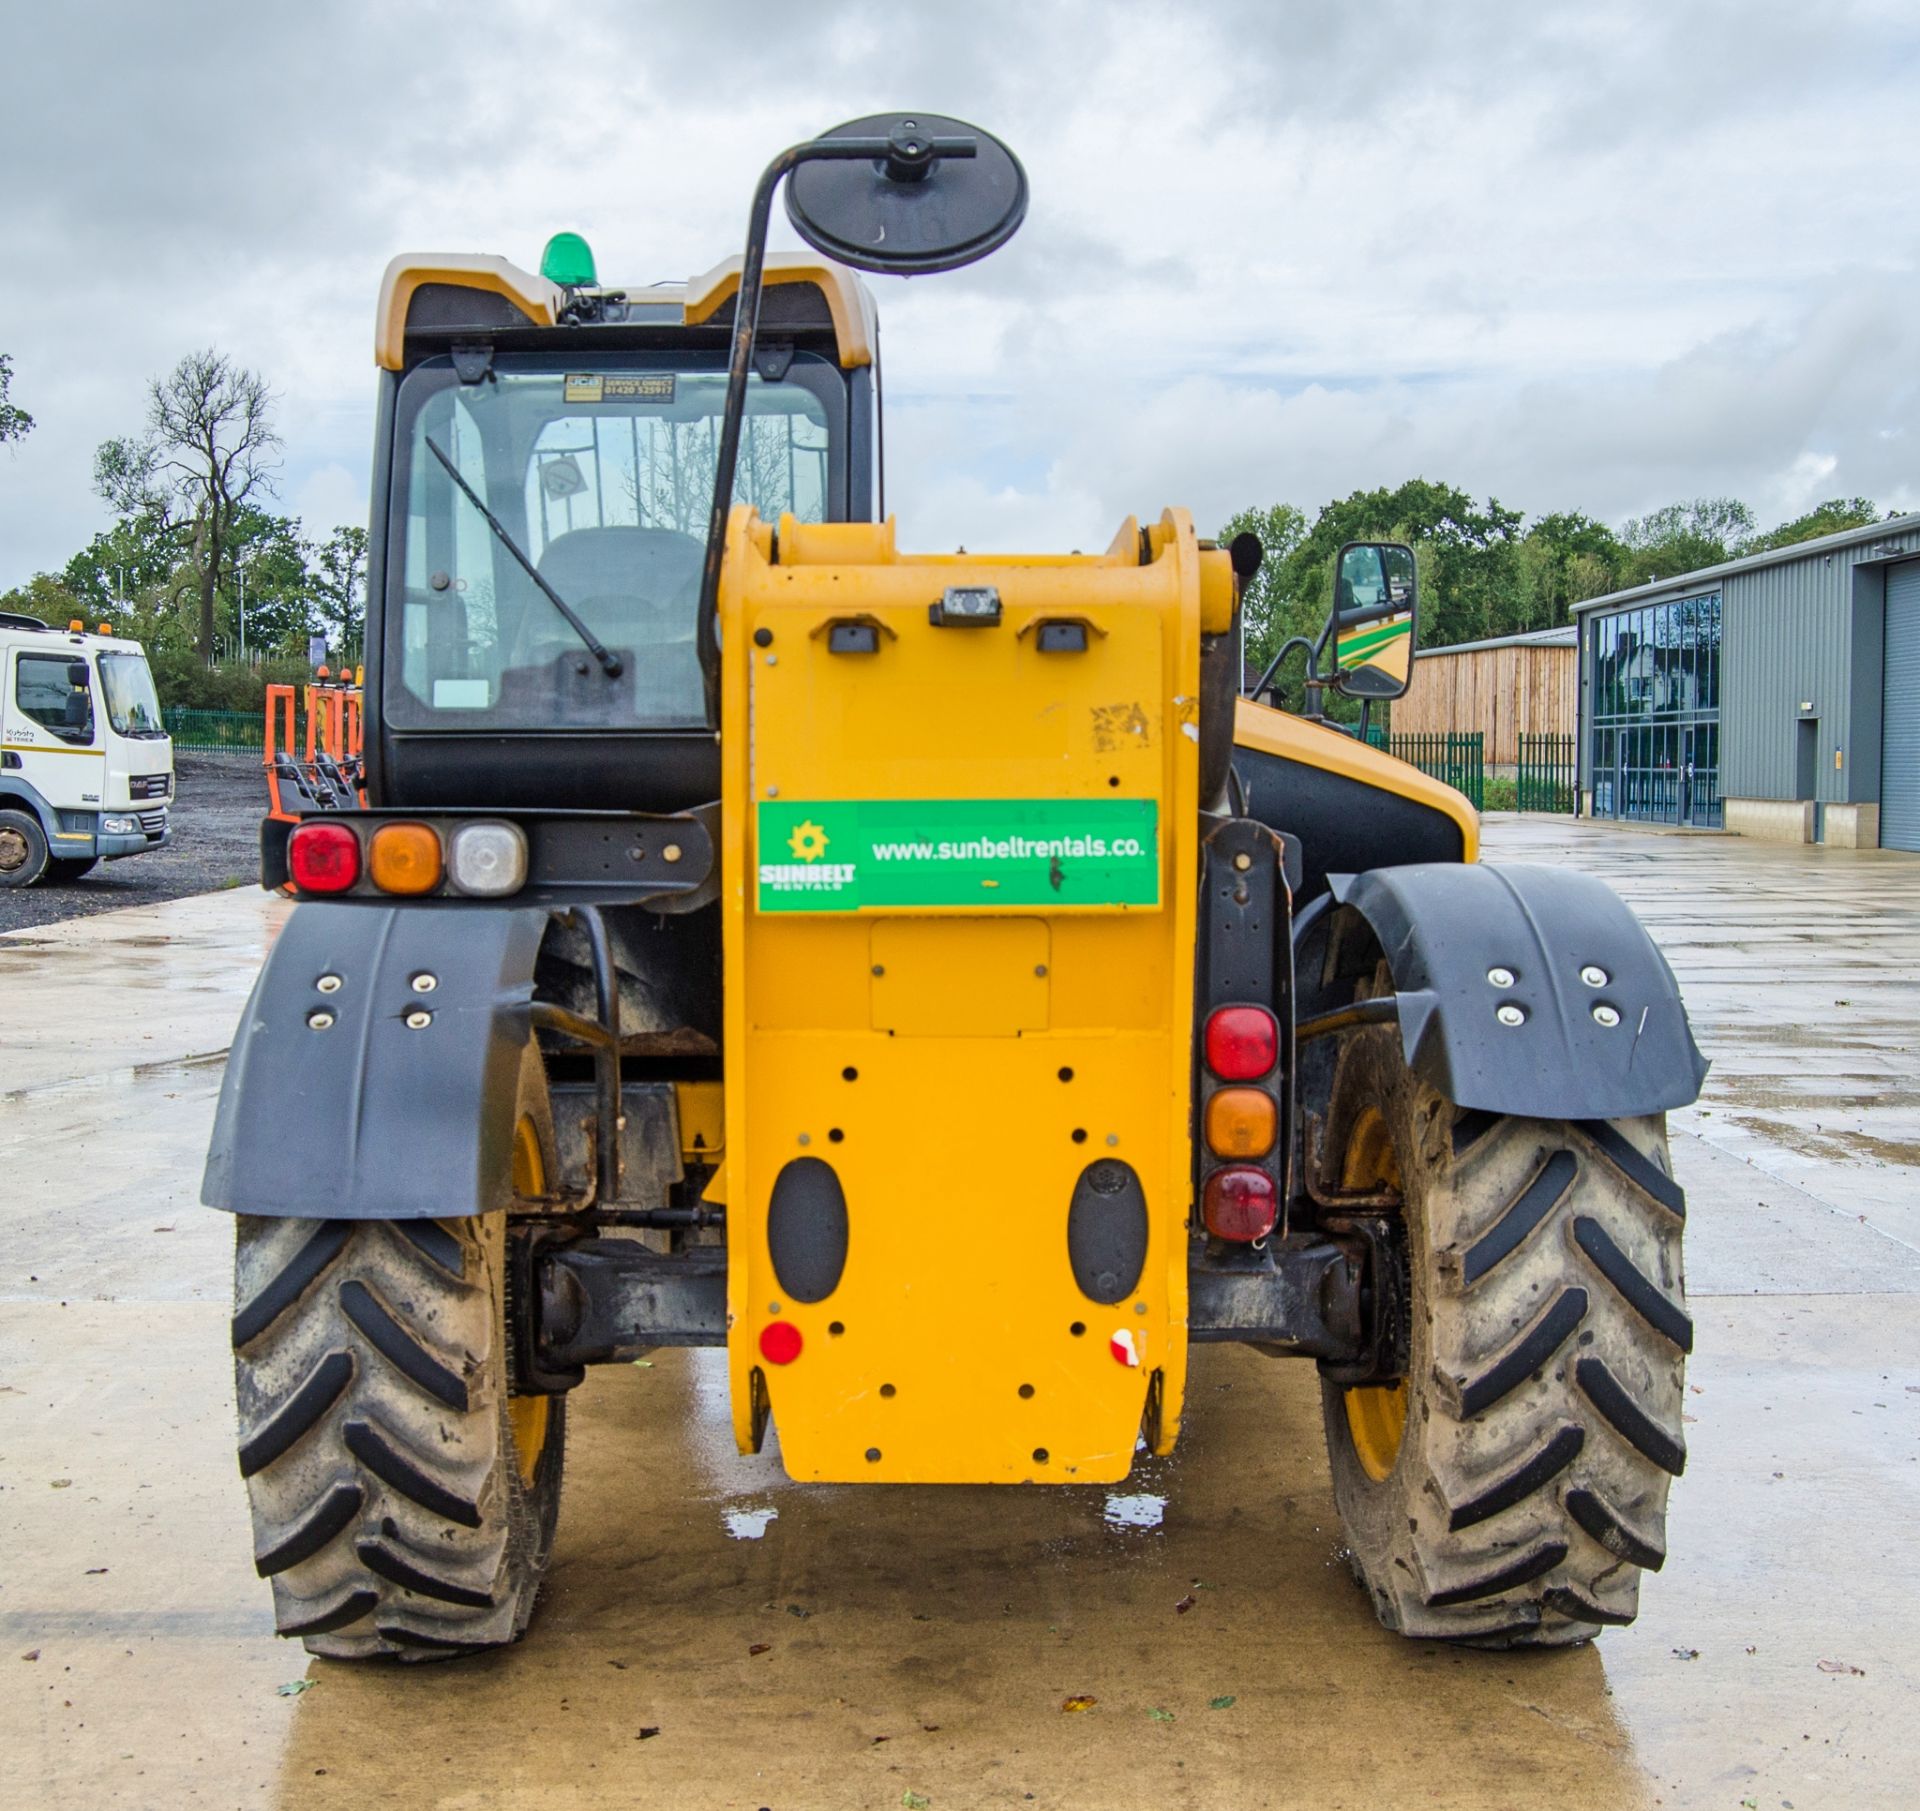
[
  {"x": 923, "y": 193},
  {"x": 1372, "y": 628}
]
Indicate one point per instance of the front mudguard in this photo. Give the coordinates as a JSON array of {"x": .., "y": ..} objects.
[
  {"x": 1445, "y": 927},
  {"x": 336, "y": 1106}
]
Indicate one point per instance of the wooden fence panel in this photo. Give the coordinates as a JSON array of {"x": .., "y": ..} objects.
[{"x": 1501, "y": 693}]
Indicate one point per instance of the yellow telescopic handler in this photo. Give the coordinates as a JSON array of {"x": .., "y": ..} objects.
[{"x": 924, "y": 976}]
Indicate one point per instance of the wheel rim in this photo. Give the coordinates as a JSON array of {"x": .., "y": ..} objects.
[
  {"x": 13, "y": 851},
  {"x": 1376, "y": 1413},
  {"x": 528, "y": 1416}
]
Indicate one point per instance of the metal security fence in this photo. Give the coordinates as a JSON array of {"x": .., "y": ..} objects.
[
  {"x": 193, "y": 729},
  {"x": 1456, "y": 758},
  {"x": 1546, "y": 777}
]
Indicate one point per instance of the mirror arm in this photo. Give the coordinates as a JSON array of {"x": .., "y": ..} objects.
[
  {"x": 1265, "y": 681},
  {"x": 746, "y": 323}
]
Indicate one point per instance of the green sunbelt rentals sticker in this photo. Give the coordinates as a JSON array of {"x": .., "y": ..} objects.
[{"x": 842, "y": 855}]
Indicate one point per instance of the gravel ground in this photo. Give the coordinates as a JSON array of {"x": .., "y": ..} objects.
[{"x": 218, "y": 804}]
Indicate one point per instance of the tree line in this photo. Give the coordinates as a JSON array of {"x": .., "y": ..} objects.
[
  {"x": 197, "y": 565},
  {"x": 1484, "y": 569}
]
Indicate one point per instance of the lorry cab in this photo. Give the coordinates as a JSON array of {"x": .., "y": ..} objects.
[{"x": 86, "y": 765}]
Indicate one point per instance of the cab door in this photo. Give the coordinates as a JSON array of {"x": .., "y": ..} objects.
[{"x": 52, "y": 734}]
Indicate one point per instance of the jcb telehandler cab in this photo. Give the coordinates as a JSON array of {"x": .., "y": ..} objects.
[{"x": 922, "y": 976}]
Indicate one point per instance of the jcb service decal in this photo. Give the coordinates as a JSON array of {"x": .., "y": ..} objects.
[{"x": 844, "y": 855}]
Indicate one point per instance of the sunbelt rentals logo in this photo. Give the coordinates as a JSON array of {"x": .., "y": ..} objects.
[{"x": 807, "y": 872}]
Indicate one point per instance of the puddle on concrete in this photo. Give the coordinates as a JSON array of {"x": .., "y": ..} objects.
[
  {"x": 750, "y": 1524},
  {"x": 1140, "y": 1511}
]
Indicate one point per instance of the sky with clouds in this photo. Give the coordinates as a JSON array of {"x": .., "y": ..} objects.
[{"x": 1585, "y": 257}]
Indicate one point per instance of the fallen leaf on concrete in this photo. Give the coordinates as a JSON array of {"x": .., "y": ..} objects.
[
  {"x": 618, "y": 1665},
  {"x": 95, "y": 1571},
  {"x": 1078, "y": 1703},
  {"x": 61, "y": 1484},
  {"x": 647, "y": 1734},
  {"x": 1225, "y": 1703},
  {"x": 294, "y": 1687},
  {"x": 915, "y": 1801},
  {"x": 31, "y": 1654},
  {"x": 1185, "y": 1604},
  {"x": 1841, "y": 1666},
  {"x": 643, "y": 1364},
  {"x": 163, "y": 1229},
  {"x": 929, "y": 1727},
  {"x": 875, "y": 1741},
  {"x": 760, "y": 1647},
  {"x": 1686, "y": 1653}
]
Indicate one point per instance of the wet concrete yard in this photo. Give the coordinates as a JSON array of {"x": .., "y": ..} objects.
[{"x": 923, "y": 1641}]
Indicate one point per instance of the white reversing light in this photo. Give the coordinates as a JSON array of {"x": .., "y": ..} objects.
[{"x": 488, "y": 859}]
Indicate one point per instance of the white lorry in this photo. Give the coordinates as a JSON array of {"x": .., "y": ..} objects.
[{"x": 86, "y": 765}]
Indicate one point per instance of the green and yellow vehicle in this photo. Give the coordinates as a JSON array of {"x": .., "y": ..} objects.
[{"x": 923, "y": 976}]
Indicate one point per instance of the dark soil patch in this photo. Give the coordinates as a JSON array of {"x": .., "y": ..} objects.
[{"x": 218, "y": 804}]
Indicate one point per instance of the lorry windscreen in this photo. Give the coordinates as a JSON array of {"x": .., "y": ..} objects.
[
  {"x": 133, "y": 706},
  {"x": 602, "y": 478}
]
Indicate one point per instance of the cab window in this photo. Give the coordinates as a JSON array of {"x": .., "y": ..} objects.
[
  {"x": 54, "y": 691},
  {"x": 598, "y": 483}
]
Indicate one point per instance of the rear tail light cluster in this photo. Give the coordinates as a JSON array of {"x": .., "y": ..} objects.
[
  {"x": 484, "y": 860},
  {"x": 1240, "y": 1122}
]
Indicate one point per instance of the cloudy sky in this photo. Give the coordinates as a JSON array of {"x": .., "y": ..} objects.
[{"x": 1595, "y": 257}]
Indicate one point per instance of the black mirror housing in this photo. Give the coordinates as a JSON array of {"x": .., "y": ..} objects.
[
  {"x": 943, "y": 194},
  {"x": 1374, "y": 619}
]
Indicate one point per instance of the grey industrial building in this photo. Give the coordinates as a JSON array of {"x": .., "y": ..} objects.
[{"x": 1776, "y": 695}]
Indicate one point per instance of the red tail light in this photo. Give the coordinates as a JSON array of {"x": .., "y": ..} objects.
[
  {"x": 1243, "y": 1042},
  {"x": 1240, "y": 1203},
  {"x": 323, "y": 858},
  {"x": 780, "y": 1342}
]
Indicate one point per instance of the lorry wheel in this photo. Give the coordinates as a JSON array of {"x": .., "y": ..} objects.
[
  {"x": 64, "y": 870},
  {"x": 404, "y": 1498},
  {"x": 23, "y": 849},
  {"x": 1511, "y": 1488}
]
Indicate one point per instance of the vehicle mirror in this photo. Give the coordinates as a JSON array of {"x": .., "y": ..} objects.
[
  {"x": 944, "y": 195},
  {"x": 1375, "y": 596}
]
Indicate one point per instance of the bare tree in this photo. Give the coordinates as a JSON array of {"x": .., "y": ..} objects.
[
  {"x": 671, "y": 484},
  {"x": 208, "y": 450},
  {"x": 15, "y": 422}
]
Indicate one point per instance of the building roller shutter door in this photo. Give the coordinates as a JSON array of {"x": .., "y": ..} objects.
[{"x": 1900, "y": 712}]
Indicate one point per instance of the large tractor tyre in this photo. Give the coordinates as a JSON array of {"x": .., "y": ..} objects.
[
  {"x": 1510, "y": 1490},
  {"x": 23, "y": 849},
  {"x": 404, "y": 1498}
]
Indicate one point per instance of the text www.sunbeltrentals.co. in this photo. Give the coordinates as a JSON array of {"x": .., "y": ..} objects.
[{"x": 1009, "y": 848}]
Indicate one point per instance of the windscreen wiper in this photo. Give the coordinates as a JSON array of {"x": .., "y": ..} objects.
[{"x": 608, "y": 660}]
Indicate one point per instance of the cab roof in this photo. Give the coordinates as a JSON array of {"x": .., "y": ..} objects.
[
  {"x": 15, "y": 622},
  {"x": 438, "y": 296}
]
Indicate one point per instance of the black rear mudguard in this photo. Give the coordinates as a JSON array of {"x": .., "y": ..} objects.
[
  {"x": 335, "y": 1106},
  {"x": 1445, "y": 928}
]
